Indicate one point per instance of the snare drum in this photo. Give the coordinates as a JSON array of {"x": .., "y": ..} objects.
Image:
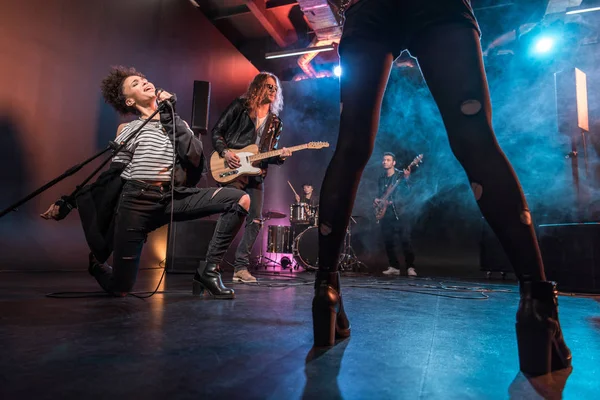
[
  {"x": 306, "y": 248},
  {"x": 299, "y": 213},
  {"x": 279, "y": 239}
]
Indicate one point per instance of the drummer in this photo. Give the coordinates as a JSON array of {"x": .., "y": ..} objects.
[
  {"x": 311, "y": 200},
  {"x": 308, "y": 197}
]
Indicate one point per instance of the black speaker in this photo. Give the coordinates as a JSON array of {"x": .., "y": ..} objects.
[
  {"x": 200, "y": 107},
  {"x": 571, "y": 254},
  {"x": 188, "y": 244}
]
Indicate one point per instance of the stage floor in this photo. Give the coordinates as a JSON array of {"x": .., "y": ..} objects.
[{"x": 411, "y": 339}]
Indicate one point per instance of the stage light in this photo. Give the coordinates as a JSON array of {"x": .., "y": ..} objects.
[
  {"x": 298, "y": 52},
  {"x": 337, "y": 71},
  {"x": 585, "y": 10},
  {"x": 544, "y": 44}
]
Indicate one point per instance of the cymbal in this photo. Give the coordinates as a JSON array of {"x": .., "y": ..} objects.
[{"x": 273, "y": 215}]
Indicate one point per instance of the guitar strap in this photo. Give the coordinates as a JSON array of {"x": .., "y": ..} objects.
[{"x": 267, "y": 136}]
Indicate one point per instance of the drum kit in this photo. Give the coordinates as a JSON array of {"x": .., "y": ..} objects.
[{"x": 301, "y": 240}]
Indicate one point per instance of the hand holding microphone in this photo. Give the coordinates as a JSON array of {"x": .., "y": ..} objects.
[{"x": 162, "y": 96}]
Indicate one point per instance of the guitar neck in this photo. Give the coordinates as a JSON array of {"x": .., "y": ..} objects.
[
  {"x": 275, "y": 153},
  {"x": 390, "y": 190}
]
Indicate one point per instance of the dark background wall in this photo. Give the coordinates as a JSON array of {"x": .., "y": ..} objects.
[{"x": 53, "y": 56}]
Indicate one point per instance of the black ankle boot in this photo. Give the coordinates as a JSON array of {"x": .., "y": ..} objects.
[
  {"x": 329, "y": 318},
  {"x": 208, "y": 277},
  {"x": 542, "y": 348}
]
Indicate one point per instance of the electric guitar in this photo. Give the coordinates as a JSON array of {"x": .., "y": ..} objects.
[
  {"x": 248, "y": 156},
  {"x": 382, "y": 206}
]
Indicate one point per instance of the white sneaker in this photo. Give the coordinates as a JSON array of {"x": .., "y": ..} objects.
[
  {"x": 411, "y": 272},
  {"x": 391, "y": 271},
  {"x": 243, "y": 276}
]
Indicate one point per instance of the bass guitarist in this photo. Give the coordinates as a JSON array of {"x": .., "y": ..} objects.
[
  {"x": 251, "y": 119},
  {"x": 395, "y": 230}
]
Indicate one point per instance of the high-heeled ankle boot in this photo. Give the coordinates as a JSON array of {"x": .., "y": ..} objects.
[
  {"x": 208, "y": 277},
  {"x": 542, "y": 348},
  {"x": 329, "y": 318}
]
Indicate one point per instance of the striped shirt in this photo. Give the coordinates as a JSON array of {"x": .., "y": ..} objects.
[{"x": 149, "y": 156}]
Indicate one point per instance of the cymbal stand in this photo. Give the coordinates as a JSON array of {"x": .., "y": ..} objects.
[
  {"x": 259, "y": 259},
  {"x": 348, "y": 259}
]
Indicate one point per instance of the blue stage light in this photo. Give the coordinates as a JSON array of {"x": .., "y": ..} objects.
[
  {"x": 337, "y": 71},
  {"x": 544, "y": 44}
]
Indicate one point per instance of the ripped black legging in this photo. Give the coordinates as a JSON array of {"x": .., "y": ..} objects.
[{"x": 451, "y": 62}]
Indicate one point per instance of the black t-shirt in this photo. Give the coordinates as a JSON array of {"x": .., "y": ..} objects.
[{"x": 313, "y": 201}]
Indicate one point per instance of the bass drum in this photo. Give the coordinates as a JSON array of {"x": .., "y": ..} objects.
[{"x": 306, "y": 249}]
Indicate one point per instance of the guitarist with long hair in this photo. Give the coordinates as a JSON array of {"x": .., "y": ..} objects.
[
  {"x": 393, "y": 186},
  {"x": 251, "y": 119}
]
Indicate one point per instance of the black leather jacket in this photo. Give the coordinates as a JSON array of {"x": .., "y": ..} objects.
[
  {"x": 190, "y": 164},
  {"x": 236, "y": 130}
]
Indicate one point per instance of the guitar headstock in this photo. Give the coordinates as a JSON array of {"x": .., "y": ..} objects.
[
  {"x": 317, "y": 145},
  {"x": 415, "y": 163}
]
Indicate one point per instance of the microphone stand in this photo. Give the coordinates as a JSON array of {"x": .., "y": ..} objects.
[{"x": 115, "y": 147}]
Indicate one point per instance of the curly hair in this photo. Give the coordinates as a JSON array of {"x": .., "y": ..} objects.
[
  {"x": 257, "y": 91},
  {"x": 112, "y": 88}
]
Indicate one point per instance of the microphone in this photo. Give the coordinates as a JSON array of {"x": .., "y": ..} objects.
[
  {"x": 157, "y": 92},
  {"x": 171, "y": 100}
]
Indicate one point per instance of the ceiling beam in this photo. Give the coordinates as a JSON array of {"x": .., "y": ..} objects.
[
  {"x": 269, "y": 22},
  {"x": 244, "y": 10},
  {"x": 231, "y": 12}
]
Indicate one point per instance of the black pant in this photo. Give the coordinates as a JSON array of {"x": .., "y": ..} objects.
[
  {"x": 253, "y": 186},
  {"x": 396, "y": 232},
  {"x": 449, "y": 55},
  {"x": 143, "y": 208}
]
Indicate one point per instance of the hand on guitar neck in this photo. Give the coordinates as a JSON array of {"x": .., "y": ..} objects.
[{"x": 285, "y": 153}]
